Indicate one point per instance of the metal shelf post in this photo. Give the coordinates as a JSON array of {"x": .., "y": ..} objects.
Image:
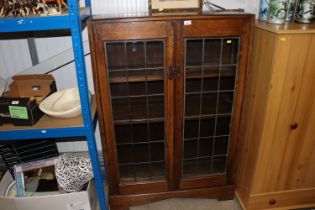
[
  {"x": 72, "y": 22},
  {"x": 88, "y": 3},
  {"x": 76, "y": 35}
]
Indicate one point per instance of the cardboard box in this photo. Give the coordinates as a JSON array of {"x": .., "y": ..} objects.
[
  {"x": 36, "y": 86},
  {"x": 20, "y": 106},
  {"x": 19, "y": 111},
  {"x": 84, "y": 200}
]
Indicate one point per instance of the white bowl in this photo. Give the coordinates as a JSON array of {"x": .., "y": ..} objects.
[{"x": 63, "y": 104}]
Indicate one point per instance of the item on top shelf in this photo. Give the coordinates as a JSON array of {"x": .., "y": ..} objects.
[
  {"x": 305, "y": 11},
  {"x": 60, "y": 3},
  {"x": 22, "y": 8},
  {"x": 277, "y": 11},
  {"x": 52, "y": 7},
  {"x": 63, "y": 104},
  {"x": 73, "y": 171}
]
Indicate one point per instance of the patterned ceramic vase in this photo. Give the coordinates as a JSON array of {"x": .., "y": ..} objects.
[
  {"x": 305, "y": 11},
  {"x": 277, "y": 11},
  {"x": 263, "y": 10},
  {"x": 291, "y": 10}
]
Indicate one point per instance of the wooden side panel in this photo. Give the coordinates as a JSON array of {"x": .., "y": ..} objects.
[
  {"x": 245, "y": 52},
  {"x": 283, "y": 109},
  {"x": 253, "y": 112}
]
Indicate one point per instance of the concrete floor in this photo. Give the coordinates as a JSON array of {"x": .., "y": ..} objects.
[{"x": 190, "y": 204}]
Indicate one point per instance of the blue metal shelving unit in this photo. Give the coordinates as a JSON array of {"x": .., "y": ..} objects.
[{"x": 73, "y": 22}]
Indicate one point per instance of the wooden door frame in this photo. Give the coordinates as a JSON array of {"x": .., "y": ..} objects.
[
  {"x": 198, "y": 28},
  {"x": 130, "y": 31}
]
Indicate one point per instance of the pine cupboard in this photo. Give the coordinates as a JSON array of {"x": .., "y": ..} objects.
[
  {"x": 169, "y": 92},
  {"x": 276, "y": 156}
]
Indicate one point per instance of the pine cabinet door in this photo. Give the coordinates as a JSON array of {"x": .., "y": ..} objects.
[{"x": 285, "y": 158}]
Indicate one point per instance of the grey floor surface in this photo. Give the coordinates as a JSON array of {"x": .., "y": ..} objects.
[{"x": 190, "y": 204}]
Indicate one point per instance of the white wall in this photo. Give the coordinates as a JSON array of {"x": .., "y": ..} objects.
[
  {"x": 131, "y": 6},
  {"x": 14, "y": 54},
  {"x": 14, "y": 57},
  {"x": 118, "y": 6}
]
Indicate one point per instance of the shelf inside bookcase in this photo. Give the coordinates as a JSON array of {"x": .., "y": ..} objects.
[
  {"x": 204, "y": 166},
  {"x": 210, "y": 71},
  {"x": 136, "y": 75},
  {"x": 142, "y": 172}
]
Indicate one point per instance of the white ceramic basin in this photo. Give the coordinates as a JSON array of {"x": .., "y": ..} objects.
[{"x": 63, "y": 104}]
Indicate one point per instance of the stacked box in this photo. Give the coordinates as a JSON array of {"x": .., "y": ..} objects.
[{"x": 21, "y": 105}]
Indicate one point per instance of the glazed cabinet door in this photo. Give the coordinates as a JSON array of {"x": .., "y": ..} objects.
[
  {"x": 136, "y": 97},
  {"x": 209, "y": 97}
]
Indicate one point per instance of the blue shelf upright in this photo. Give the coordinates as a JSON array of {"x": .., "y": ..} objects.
[
  {"x": 78, "y": 50},
  {"x": 73, "y": 22}
]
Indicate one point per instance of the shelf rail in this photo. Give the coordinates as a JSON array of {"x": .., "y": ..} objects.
[
  {"x": 71, "y": 21},
  {"x": 78, "y": 50}
]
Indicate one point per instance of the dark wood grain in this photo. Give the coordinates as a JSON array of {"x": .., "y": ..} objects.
[
  {"x": 156, "y": 31},
  {"x": 169, "y": 111},
  {"x": 107, "y": 118},
  {"x": 173, "y": 31},
  {"x": 246, "y": 44},
  {"x": 98, "y": 94},
  {"x": 179, "y": 101},
  {"x": 203, "y": 182},
  {"x": 143, "y": 187},
  {"x": 126, "y": 201}
]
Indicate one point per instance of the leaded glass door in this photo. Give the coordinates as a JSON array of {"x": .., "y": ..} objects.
[
  {"x": 138, "y": 95},
  {"x": 209, "y": 82},
  {"x": 136, "y": 80}
]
